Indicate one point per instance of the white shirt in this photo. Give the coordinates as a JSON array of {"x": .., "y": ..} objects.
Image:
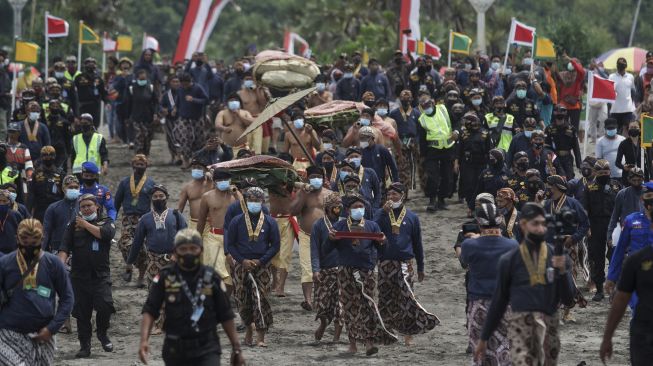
[
  {"x": 623, "y": 86},
  {"x": 607, "y": 149}
]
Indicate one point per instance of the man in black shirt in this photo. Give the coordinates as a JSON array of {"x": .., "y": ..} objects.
[
  {"x": 195, "y": 302},
  {"x": 88, "y": 240},
  {"x": 636, "y": 276}
]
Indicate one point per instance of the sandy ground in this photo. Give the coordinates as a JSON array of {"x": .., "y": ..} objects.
[{"x": 289, "y": 339}]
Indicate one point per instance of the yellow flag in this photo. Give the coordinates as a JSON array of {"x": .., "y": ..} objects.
[
  {"x": 544, "y": 48},
  {"x": 421, "y": 48},
  {"x": 27, "y": 52},
  {"x": 87, "y": 35},
  {"x": 124, "y": 44}
]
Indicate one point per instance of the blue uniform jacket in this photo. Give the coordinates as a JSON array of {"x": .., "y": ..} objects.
[
  {"x": 104, "y": 198},
  {"x": 124, "y": 197},
  {"x": 241, "y": 248},
  {"x": 160, "y": 241},
  {"x": 360, "y": 256},
  {"x": 232, "y": 211},
  {"x": 57, "y": 218},
  {"x": 635, "y": 235},
  {"x": 405, "y": 245},
  {"x": 323, "y": 253},
  {"x": 378, "y": 158}
]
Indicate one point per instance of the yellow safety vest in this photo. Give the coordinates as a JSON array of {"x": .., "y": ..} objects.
[
  {"x": 85, "y": 153},
  {"x": 506, "y": 132},
  {"x": 5, "y": 176},
  {"x": 71, "y": 77},
  {"x": 438, "y": 127},
  {"x": 46, "y": 108}
]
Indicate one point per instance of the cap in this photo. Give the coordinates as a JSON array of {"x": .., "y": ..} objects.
[
  {"x": 484, "y": 198},
  {"x": 160, "y": 187},
  {"x": 13, "y": 126},
  {"x": 71, "y": 58},
  {"x": 89, "y": 59},
  {"x": 602, "y": 164},
  {"x": 90, "y": 167},
  {"x": 221, "y": 173},
  {"x": 397, "y": 187},
  {"x": 86, "y": 116},
  {"x": 487, "y": 215},
  {"x": 350, "y": 199},
  {"x": 558, "y": 181},
  {"x": 88, "y": 197},
  {"x": 314, "y": 170},
  {"x": 636, "y": 172},
  {"x": 69, "y": 179},
  {"x": 125, "y": 59},
  {"x": 188, "y": 236},
  {"x": 611, "y": 122},
  {"x": 139, "y": 158},
  {"x": 329, "y": 133},
  {"x": 48, "y": 150},
  {"x": 352, "y": 178},
  {"x": 398, "y": 52},
  {"x": 353, "y": 150},
  {"x": 366, "y": 131}
]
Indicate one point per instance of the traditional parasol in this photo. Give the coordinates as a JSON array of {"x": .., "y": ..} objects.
[
  {"x": 635, "y": 57},
  {"x": 273, "y": 108},
  {"x": 270, "y": 172}
]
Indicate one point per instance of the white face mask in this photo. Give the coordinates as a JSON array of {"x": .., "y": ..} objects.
[
  {"x": 364, "y": 144},
  {"x": 396, "y": 204}
]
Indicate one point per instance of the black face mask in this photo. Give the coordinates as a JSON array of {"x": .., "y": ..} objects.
[
  {"x": 633, "y": 132},
  {"x": 328, "y": 165},
  {"x": 522, "y": 166},
  {"x": 621, "y": 67},
  {"x": 603, "y": 179},
  {"x": 189, "y": 262},
  {"x": 398, "y": 60},
  {"x": 139, "y": 171},
  {"x": 492, "y": 161},
  {"x": 159, "y": 205},
  {"x": 29, "y": 253},
  {"x": 88, "y": 181},
  {"x": 421, "y": 69},
  {"x": 457, "y": 115},
  {"x": 499, "y": 110},
  {"x": 533, "y": 187},
  {"x": 586, "y": 172},
  {"x": 48, "y": 162},
  {"x": 86, "y": 128},
  {"x": 369, "y": 103},
  {"x": 89, "y": 69},
  {"x": 405, "y": 103},
  {"x": 560, "y": 117},
  {"x": 535, "y": 238},
  {"x": 538, "y": 145}
]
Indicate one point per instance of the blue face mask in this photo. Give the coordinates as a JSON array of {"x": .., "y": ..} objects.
[
  {"x": 72, "y": 194},
  {"x": 316, "y": 182},
  {"x": 142, "y": 82},
  {"x": 249, "y": 84},
  {"x": 223, "y": 185},
  {"x": 348, "y": 75},
  {"x": 327, "y": 146},
  {"x": 429, "y": 110},
  {"x": 254, "y": 207},
  {"x": 611, "y": 132},
  {"x": 197, "y": 174},
  {"x": 233, "y": 105},
  {"x": 356, "y": 162},
  {"x": 382, "y": 112},
  {"x": 528, "y": 134},
  {"x": 320, "y": 86},
  {"x": 33, "y": 116},
  {"x": 357, "y": 213},
  {"x": 343, "y": 175},
  {"x": 364, "y": 121},
  {"x": 298, "y": 123},
  {"x": 495, "y": 66},
  {"x": 521, "y": 93},
  {"x": 477, "y": 102},
  {"x": 58, "y": 74},
  {"x": 12, "y": 196},
  {"x": 90, "y": 217}
]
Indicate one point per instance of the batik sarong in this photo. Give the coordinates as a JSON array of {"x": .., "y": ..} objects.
[
  {"x": 534, "y": 338},
  {"x": 498, "y": 346},
  {"x": 252, "y": 290},
  {"x": 19, "y": 349},
  {"x": 326, "y": 296}
]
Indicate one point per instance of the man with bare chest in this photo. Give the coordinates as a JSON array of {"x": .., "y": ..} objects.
[
  {"x": 308, "y": 205},
  {"x": 232, "y": 122},
  {"x": 254, "y": 98},
  {"x": 192, "y": 191},
  {"x": 280, "y": 210},
  {"x": 307, "y": 136},
  {"x": 213, "y": 206}
]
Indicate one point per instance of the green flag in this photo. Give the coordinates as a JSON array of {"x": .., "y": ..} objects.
[{"x": 460, "y": 43}]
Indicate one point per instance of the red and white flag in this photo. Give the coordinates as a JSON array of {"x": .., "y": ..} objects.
[
  {"x": 600, "y": 89},
  {"x": 521, "y": 34},
  {"x": 294, "y": 44},
  {"x": 199, "y": 21},
  {"x": 409, "y": 20},
  {"x": 409, "y": 45},
  {"x": 55, "y": 27},
  {"x": 150, "y": 42},
  {"x": 431, "y": 49},
  {"x": 211, "y": 21},
  {"x": 108, "y": 44}
]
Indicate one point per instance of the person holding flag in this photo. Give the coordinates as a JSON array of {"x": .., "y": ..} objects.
[
  {"x": 91, "y": 91},
  {"x": 570, "y": 83}
]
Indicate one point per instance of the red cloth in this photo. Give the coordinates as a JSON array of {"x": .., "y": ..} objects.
[
  {"x": 217, "y": 231},
  {"x": 574, "y": 89},
  {"x": 292, "y": 220}
]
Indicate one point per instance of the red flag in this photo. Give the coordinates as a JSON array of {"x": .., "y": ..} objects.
[
  {"x": 431, "y": 49},
  {"x": 521, "y": 34},
  {"x": 411, "y": 45},
  {"x": 56, "y": 27},
  {"x": 600, "y": 89},
  {"x": 192, "y": 28},
  {"x": 294, "y": 44}
]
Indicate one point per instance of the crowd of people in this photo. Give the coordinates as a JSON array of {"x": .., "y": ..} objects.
[{"x": 505, "y": 143}]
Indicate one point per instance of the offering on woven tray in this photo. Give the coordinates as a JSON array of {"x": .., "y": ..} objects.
[
  {"x": 279, "y": 70},
  {"x": 268, "y": 171},
  {"x": 343, "y": 114}
]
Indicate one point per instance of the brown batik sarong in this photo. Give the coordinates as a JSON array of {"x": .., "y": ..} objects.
[
  {"x": 252, "y": 290},
  {"x": 534, "y": 338},
  {"x": 498, "y": 346},
  {"x": 129, "y": 224},
  {"x": 359, "y": 311},
  {"x": 326, "y": 298},
  {"x": 575, "y": 265},
  {"x": 190, "y": 136},
  {"x": 155, "y": 262},
  {"x": 407, "y": 164},
  {"x": 397, "y": 303}
]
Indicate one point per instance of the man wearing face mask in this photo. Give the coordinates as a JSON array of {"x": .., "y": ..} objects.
[
  {"x": 495, "y": 176},
  {"x": 253, "y": 240},
  {"x": 88, "y": 241},
  {"x": 471, "y": 157},
  {"x": 630, "y": 151},
  {"x": 570, "y": 86},
  {"x": 607, "y": 147},
  {"x": 628, "y": 200},
  {"x": 141, "y": 102},
  {"x": 232, "y": 121},
  {"x": 60, "y": 214},
  {"x": 200, "y": 70},
  {"x": 133, "y": 195},
  {"x": 45, "y": 186},
  {"x": 90, "y": 91},
  {"x": 500, "y": 124},
  {"x": 635, "y": 235},
  {"x": 563, "y": 139},
  {"x": 521, "y": 141},
  {"x": 308, "y": 137},
  {"x": 599, "y": 202},
  {"x": 506, "y": 201},
  {"x": 420, "y": 79},
  {"x": 534, "y": 189},
  {"x": 437, "y": 135},
  {"x": 406, "y": 118},
  {"x": 15, "y": 205},
  {"x": 623, "y": 107},
  {"x": 378, "y": 157},
  {"x": 235, "y": 80},
  {"x": 34, "y": 133},
  {"x": 254, "y": 98},
  {"x": 578, "y": 186},
  {"x": 192, "y": 191},
  {"x": 8, "y": 174},
  {"x": 58, "y": 122},
  {"x": 157, "y": 229},
  {"x": 89, "y": 177},
  {"x": 520, "y": 106},
  {"x": 493, "y": 78},
  {"x": 369, "y": 182},
  {"x": 376, "y": 81},
  {"x": 329, "y": 142},
  {"x": 89, "y": 146},
  {"x": 366, "y": 119},
  {"x": 321, "y": 95},
  {"x": 68, "y": 91},
  {"x": 190, "y": 131},
  {"x": 191, "y": 336},
  {"x": 32, "y": 316},
  {"x": 476, "y": 87},
  {"x": 517, "y": 178},
  {"x": 533, "y": 280},
  {"x": 475, "y": 105},
  {"x": 394, "y": 143},
  {"x": 348, "y": 87},
  {"x": 397, "y": 73},
  {"x": 328, "y": 163},
  {"x": 395, "y": 267},
  {"x": 542, "y": 158},
  {"x": 11, "y": 220}
]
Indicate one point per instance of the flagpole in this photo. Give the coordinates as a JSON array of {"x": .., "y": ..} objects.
[
  {"x": 505, "y": 59},
  {"x": 590, "y": 87},
  {"x": 46, "y": 45},
  {"x": 79, "y": 47},
  {"x": 450, "y": 42},
  {"x": 533, "y": 54},
  {"x": 104, "y": 65}
]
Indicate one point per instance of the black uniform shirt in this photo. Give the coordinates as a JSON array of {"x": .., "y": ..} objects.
[
  {"x": 90, "y": 255},
  {"x": 637, "y": 276}
]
